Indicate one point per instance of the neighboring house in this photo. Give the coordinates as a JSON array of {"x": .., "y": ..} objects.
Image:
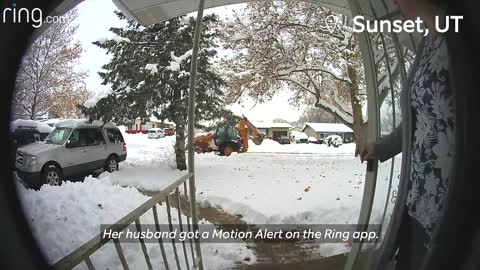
[
  {"x": 321, "y": 130},
  {"x": 142, "y": 125},
  {"x": 273, "y": 130},
  {"x": 295, "y": 129}
]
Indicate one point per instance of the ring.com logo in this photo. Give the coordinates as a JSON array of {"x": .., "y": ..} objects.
[{"x": 34, "y": 16}]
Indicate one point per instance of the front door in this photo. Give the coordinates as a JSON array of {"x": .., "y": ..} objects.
[{"x": 385, "y": 61}]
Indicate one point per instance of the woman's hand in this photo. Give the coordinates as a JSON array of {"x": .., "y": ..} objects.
[{"x": 366, "y": 152}]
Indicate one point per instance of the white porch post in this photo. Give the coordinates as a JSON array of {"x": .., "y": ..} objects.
[{"x": 191, "y": 128}]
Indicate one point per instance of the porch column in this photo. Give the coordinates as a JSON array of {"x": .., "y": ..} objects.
[{"x": 191, "y": 128}]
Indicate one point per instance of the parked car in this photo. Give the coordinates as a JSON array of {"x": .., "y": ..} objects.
[
  {"x": 313, "y": 140},
  {"x": 29, "y": 131},
  {"x": 333, "y": 140},
  {"x": 25, "y": 132},
  {"x": 284, "y": 140},
  {"x": 169, "y": 131},
  {"x": 75, "y": 148},
  {"x": 298, "y": 137},
  {"x": 155, "y": 133}
]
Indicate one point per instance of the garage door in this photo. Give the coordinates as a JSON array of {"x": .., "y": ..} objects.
[{"x": 276, "y": 135}]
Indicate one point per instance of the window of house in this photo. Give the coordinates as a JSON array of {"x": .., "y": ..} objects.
[{"x": 146, "y": 126}]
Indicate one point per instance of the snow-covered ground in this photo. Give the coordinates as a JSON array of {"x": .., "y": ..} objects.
[
  {"x": 272, "y": 183},
  {"x": 64, "y": 218}
]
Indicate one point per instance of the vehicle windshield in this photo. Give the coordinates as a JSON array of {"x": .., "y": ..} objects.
[
  {"x": 58, "y": 136},
  {"x": 152, "y": 131}
]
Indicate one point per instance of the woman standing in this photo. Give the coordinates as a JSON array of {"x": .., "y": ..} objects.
[{"x": 426, "y": 138}]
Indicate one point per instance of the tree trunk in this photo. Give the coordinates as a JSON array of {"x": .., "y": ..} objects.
[
  {"x": 32, "y": 114},
  {"x": 359, "y": 130},
  {"x": 180, "y": 156}
]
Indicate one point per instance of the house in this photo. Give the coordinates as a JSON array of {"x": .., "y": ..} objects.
[
  {"x": 142, "y": 125},
  {"x": 321, "y": 130},
  {"x": 273, "y": 130}
]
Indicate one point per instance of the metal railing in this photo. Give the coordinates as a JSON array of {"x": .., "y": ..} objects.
[
  {"x": 192, "y": 258},
  {"x": 83, "y": 254}
]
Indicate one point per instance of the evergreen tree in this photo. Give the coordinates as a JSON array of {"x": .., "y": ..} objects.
[{"x": 149, "y": 75}]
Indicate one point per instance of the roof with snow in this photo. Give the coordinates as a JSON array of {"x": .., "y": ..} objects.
[
  {"x": 40, "y": 126},
  {"x": 327, "y": 127},
  {"x": 298, "y": 134},
  {"x": 51, "y": 120},
  {"x": 75, "y": 123},
  {"x": 271, "y": 125}
]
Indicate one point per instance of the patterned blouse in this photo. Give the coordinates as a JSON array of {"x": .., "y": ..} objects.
[{"x": 433, "y": 135}]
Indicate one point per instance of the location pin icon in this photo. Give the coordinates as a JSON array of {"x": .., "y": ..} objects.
[{"x": 331, "y": 23}]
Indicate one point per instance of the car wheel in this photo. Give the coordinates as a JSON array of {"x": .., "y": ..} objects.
[
  {"x": 52, "y": 175},
  {"x": 112, "y": 164}
]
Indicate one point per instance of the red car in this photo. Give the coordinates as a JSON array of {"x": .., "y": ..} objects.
[{"x": 169, "y": 132}]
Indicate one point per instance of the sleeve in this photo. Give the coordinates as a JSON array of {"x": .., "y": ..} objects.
[{"x": 390, "y": 145}]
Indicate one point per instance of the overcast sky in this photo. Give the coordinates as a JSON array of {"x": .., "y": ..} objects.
[{"x": 95, "y": 17}]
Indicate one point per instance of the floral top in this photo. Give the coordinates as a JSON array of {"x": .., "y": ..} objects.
[{"x": 433, "y": 135}]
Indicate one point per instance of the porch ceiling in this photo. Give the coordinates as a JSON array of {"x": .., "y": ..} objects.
[{"x": 152, "y": 11}]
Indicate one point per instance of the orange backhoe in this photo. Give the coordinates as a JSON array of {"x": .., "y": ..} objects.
[{"x": 228, "y": 139}]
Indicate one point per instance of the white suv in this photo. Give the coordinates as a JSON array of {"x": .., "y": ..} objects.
[
  {"x": 75, "y": 148},
  {"x": 155, "y": 133}
]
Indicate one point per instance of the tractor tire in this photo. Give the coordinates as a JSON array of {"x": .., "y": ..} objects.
[{"x": 227, "y": 150}]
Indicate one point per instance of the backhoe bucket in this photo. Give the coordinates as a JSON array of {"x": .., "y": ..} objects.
[{"x": 257, "y": 140}]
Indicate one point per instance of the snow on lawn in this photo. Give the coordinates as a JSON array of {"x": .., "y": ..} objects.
[
  {"x": 270, "y": 146},
  {"x": 271, "y": 183},
  {"x": 64, "y": 218}
]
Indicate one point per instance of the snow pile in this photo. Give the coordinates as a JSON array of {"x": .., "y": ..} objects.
[
  {"x": 175, "y": 64},
  {"x": 52, "y": 121},
  {"x": 91, "y": 102},
  {"x": 152, "y": 68},
  {"x": 82, "y": 122},
  {"x": 64, "y": 218},
  {"x": 120, "y": 39},
  {"x": 102, "y": 40},
  {"x": 40, "y": 126}
]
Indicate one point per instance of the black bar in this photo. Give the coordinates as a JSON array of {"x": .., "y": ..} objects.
[
  {"x": 160, "y": 242},
  {"x": 179, "y": 208},
  {"x": 142, "y": 243},
  {"x": 171, "y": 229}
]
